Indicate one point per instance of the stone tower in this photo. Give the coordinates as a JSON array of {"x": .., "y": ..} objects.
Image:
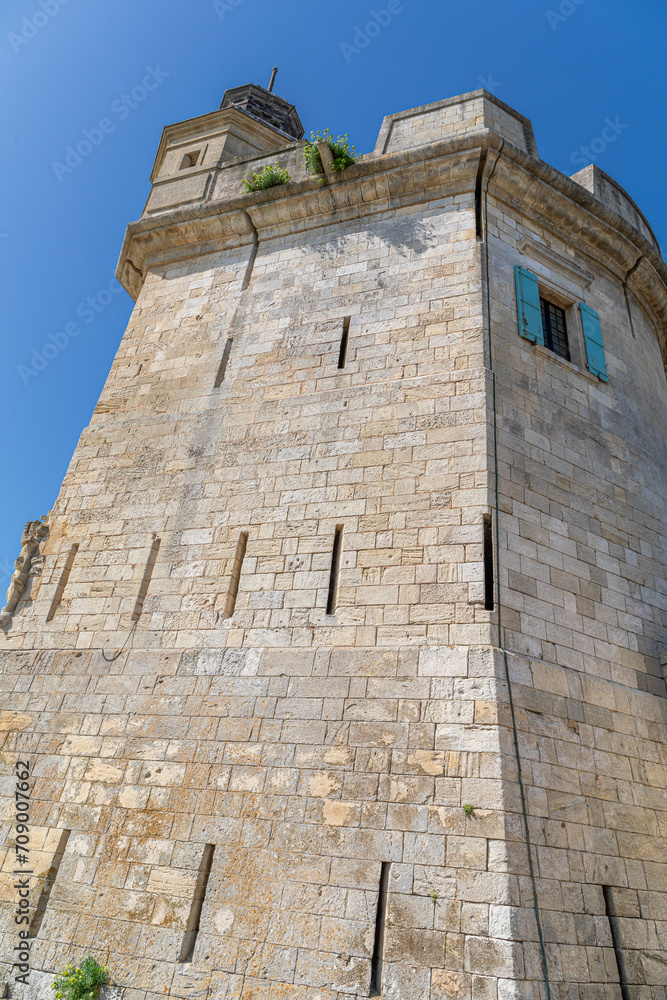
[{"x": 337, "y": 663}]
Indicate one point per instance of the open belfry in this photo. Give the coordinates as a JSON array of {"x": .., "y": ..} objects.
[{"x": 338, "y": 664}]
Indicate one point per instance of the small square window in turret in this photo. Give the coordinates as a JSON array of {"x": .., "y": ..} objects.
[
  {"x": 555, "y": 329},
  {"x": 190, "y": 159}
]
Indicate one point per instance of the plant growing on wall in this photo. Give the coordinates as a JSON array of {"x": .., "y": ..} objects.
[
  {"x": 343, "y": 155},
  {"x": 81, "y": 982},
  {"x": 270, "y": 176}
]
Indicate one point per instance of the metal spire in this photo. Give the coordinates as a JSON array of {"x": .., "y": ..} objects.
[{"x": 272, "y": 80}]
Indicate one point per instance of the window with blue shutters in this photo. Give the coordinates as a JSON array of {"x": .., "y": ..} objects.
[
  {"x": 543, "y": 322},
  {"x": 593, "y": 338}
]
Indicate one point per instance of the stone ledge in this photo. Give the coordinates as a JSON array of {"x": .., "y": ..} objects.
[{"x": 403, "y": 179}]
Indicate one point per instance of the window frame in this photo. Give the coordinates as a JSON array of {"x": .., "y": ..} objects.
[
  {"x": 572, "y": 301},
  {"x": 547, "y": 328},
  {"x": 575, "y": 333}
]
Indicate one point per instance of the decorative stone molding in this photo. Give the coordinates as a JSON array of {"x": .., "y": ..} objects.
[
  {"x": 570, "y": 272},
  {"x": 29, "y": 564}
]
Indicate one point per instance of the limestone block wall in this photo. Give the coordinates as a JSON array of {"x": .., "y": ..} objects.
[
  {"x": 307, "y": 769},
  {"x": 583, "y": 467},
  {"x": 594, "y": 765},
  {"x": 392, "y": 448},
  {"x": 583, "y": 598},
  {"x": 206, "y": 727},
  {"x": 462, "y": 115}
]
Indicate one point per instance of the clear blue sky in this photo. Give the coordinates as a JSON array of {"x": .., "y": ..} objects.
[{"x": 566, "y": 64}]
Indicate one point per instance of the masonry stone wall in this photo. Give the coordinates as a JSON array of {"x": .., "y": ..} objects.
[
  {"x": 393, "y": 447},
  {"x": 463, "y": 115},
  {"x": 582, "y": 523},
  {"x": 277, "y": 761}
]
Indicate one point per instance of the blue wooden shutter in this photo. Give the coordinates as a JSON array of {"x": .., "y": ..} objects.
[
  {"x": 528, "y": 304},
  {"x": 594, "y": 346}
]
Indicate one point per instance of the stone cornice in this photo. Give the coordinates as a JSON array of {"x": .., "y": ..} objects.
[
  {"x": 406, "y": 178},
  {"x": 397, "y": 180}
]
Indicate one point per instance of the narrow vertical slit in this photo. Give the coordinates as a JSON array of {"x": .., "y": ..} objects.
[
  {"x": 627, "y": 306},
  {"x": 626, "y": 292},
  {"x": 145, "y": 582},
  {"x": 253, "y": 251},
  {"x": 378, "y": 944},
  {"x": 333, "y": 574},
  {"x": 51, "y": 876},
  {"x": 488, "y": 562},
  {"x": 342, "y": 354},
  {"x": 610, "y": 911},
  {"x": 62, "y": 582},
  {"x": 479, "y": 227},
  {"x": 219, "y": 378},
  {"x": 192, "y": 928},
  {"x": 232, "y": 593},
  {"x": 249, "y": 266}
]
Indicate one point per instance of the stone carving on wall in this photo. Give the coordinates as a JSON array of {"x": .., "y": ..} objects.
[{"x": 29, "y": 564}]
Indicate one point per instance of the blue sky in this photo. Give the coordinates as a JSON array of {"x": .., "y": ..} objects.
[{"x": 569, "y": 65}]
